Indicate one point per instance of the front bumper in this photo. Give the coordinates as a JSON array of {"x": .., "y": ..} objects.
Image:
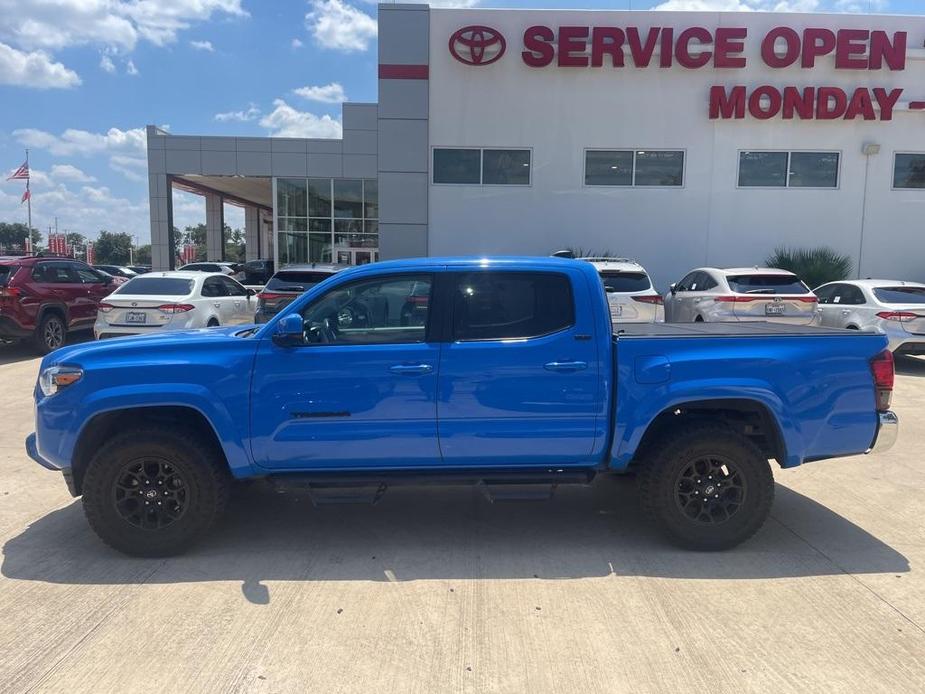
[
  {"x": 887, "y": 432},
  {"x": 33, "y": 452}
]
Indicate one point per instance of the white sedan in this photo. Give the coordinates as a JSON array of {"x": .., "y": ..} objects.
[{"x": 174, "y": 301}]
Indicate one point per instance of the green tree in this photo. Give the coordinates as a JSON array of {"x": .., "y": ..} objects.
[
  {"x": 234, "y": 245},
  {"x": 112, "y": 248},
  {"x": 13, "y": 236},
  {"x": 143, "y": 254},
  {"x": 815, "y": 266}
]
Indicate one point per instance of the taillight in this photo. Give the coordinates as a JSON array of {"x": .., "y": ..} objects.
[
  {"x": 765, "y": 297},
  {"x": 106, "y": 308},
  {"x": 175, "y": 308},
  {"x": 647, "y": 299},
  {"x": 735, "y": 299},
  {"x": 900, "y": 316},
  {"x": 883, "y": 371},
  {"x": 10, "y": 292},
  {"x": 270, "y": 296},
  {"x": 418, "y": 300}
]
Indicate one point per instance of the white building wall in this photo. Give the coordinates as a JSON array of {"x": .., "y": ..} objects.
[{"x": 561, "y": 111}]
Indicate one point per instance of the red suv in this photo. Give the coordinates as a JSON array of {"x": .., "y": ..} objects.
[{"x": 45, "y": 298}]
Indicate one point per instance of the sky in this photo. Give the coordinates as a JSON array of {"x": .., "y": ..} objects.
[{"x": 79, "y": 80}]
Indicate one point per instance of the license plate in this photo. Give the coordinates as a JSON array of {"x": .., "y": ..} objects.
[
  {"x": 773, "y": 309},
  {"x": 616, "y": 310},
  {"x": 135, "y": 317}
]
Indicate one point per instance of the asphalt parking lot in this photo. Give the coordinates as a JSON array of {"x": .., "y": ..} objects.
[{"x": 437, "y": 590}]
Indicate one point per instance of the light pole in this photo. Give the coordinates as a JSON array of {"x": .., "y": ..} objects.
[{"x": 869, "y": 150}]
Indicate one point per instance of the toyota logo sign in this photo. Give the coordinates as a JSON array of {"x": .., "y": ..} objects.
[{"x": 477, "y": 45}]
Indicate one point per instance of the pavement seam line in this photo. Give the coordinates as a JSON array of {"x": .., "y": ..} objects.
[
  {"x": 850, "y": 575},
  {"x": 92, "y": 630}
]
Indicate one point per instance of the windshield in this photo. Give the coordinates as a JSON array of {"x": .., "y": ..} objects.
[
  {"x": 626, "y": 281},
  {"x": 767, "y": 284},
  {"x": 295, "y": 280},
  {"x": 156, "y": 286},
  {"x": 900, "y": 295}
]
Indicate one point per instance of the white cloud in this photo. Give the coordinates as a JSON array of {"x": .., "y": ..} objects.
[
  {"x": 67, "y": 172},
  {"x": 340, "y": 26},
  {"x": 296, "y": 43},
  {"x": 130, "y": 68},
  {"x": 202, "y": 46},
  {"x": 106, "y": 64},
  {"x": 36, "y": 69},
  {"x": 83, "y": 142},
  {"x": 133, "y": 168},
  {"x": 332, "y": 93},
  {"x": 286, "y": 121},
  {"x": 54, "y": 24},
  {"x": 249, "y": 114}
]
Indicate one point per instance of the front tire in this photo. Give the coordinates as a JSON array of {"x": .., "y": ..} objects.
[
  {"x": 707, "y": 487},
  {"x": 154, "y": 491}
]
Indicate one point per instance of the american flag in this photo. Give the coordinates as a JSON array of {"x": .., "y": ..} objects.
[{"x": 21, "y": 173}]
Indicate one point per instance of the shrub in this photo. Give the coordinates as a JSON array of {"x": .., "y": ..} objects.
[{"x": 815, "y": 266}]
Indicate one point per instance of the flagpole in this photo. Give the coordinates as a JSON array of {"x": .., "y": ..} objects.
[{"x": 28, "y": 201}]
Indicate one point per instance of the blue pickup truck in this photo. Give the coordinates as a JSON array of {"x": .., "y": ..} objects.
[{"x": 504, "y": 372}]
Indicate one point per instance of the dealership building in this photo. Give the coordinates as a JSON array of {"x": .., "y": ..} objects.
[{"x": 679, "y": 139}]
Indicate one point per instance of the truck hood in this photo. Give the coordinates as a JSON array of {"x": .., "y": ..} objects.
[{"x": 137, "y": 345}]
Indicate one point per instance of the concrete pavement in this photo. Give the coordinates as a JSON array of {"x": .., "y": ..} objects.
[{"x": 438, "y": 591}]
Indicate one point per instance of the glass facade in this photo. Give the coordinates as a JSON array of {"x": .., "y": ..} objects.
[{"x": 327, "y": 220}]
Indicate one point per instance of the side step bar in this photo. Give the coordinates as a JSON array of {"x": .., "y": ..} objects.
[{"x": 326, "y": 488}]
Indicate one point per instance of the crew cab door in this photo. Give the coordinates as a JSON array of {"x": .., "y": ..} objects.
[
  {"x": 519, "y": 380},
  {"x": 359, "y": 391}
]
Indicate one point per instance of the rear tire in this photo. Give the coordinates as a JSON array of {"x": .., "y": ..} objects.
[
  {"x": 50, "y": 334},
  {"x": 706, "y": 487},
  {"x": 182, "y": 487}
]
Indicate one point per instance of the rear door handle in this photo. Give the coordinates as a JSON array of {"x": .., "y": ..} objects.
[
  {"x": 411, "y": 369},
  {"x": 567, "y": 366},
  {"x": 845, "y": 312}
]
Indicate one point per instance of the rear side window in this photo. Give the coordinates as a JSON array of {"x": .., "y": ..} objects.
[
  {"x": 156, "y": 286},
  {"x": 6, "y": 272},
  {"x": 295, "y": 281},
  {"x": 509, "y": 305},
  {"x": 213, "y": 287},
  {"x": 54, "y": 273},
  {"x": 900, "y": 295},
  {"x": 767, "y": 284},
  {"x": 626, "y": 281}
]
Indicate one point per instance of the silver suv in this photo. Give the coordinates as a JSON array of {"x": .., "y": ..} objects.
[
  {"x": 740, "y": 294},
  {"x": 630, "y": 293}
]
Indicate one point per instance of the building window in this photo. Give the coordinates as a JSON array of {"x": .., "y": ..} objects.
[
  {"x": 490, "y": 167},
  {"x": 643, "y": 167},
  {"x": 909, "y": 171},
  {"x": 788, "y": 169},
  {"x": 325, "y": 220}
]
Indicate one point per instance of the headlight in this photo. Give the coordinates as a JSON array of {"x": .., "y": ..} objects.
[{"x": 54, "y": 378}]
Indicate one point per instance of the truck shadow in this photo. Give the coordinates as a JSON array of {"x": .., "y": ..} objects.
[
  {"x": 910, "y": 366},
  {"x": 24, "y": 351},
  {"x": 450, "y": 533}
]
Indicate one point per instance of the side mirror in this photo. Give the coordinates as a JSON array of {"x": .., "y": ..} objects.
[
  {"x": 673, "y": 288},
  {"x": 289, "y": 331},
  {"x": 251, "y": 292}
]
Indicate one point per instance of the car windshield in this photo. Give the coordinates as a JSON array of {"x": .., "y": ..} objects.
[
  {"x": 295, "y": 280},
  {"x": 767, "y": 284},
  {"x": 626, "y": 281},
  {"x": 156, "y": 286},
  {"x": 900, "y": 295}
]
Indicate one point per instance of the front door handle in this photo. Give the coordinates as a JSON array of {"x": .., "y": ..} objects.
[
  {"x": 411, "y": 369},
  {"x": 845, "y": 312},
  {"x": 566, "y": 366}
]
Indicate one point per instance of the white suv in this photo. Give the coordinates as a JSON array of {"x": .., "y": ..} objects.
[{"x": 630, "y": 293}]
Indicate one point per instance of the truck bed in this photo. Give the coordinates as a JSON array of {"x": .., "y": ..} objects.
[{"x": 731, "y": 329}]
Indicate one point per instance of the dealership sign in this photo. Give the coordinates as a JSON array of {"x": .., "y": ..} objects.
[{"x": 609, "y": 47}]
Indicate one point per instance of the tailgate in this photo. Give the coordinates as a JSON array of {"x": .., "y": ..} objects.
[
  {"x": 136, "y": 312},
  {"x": 797, "y": 310}
]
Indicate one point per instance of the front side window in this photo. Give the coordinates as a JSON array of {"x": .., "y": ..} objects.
[
  {"x": 511, "y": 305},
  {"x": 232, "y": 287},
  {"x": 474, "y": 166},
  {"x": 88, "y": 276},
  {"x": 788, "y": 169},
  {"x": 909, "y": 171},
  {"x": 381, "y": 311},
  {"x": 825, "y": 294},
  {"x": 644, "y": 167},
  {"x": 213, "y": 287},
  {"x": 54, "y": 273}
]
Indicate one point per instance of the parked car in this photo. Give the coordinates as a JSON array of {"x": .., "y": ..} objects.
[
  {"x": 139, "y": 269},
  {"x": 630, "y": 292},
  {"x": 230, "y": 269},
  {"x": 514, "y": 382},
  {"x": 116, "y": 281},
  {"x": 895, "y": 307},
  {"x": 174, "y": 301},
  {"x": 43, "y": 299},
  {"x": 288, "y": 284},
  {"x": 258, "y": 271},
  {"x": 122, "y": 271},
  {"x": 740, "y": 294}
]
